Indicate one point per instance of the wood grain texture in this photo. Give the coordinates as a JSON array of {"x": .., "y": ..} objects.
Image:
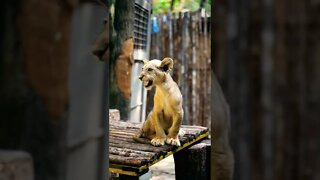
[{"x": 125, "y": 153}]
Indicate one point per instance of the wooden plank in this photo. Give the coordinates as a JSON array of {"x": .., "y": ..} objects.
[
  {"x": 121, "y": 133},
  {"x": 184, "y": 127},
  {"x": 118, "y": 140},
  {"x": 134, "y": 126},
  {"x": 127, "y": 170},
  {"x": 129, "y": 152},
  {"x": 142, "y": 147},
  {"x": 121, "y": 140},
  {"x": 124, "y": 128},
  {"x": 131, "y": 161},
  {"x": 129, "y": 157}
]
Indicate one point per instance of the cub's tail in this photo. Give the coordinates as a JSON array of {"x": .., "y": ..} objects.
[
  {"x": 141, "y": 140},
  {"x": 137, "y": 137}
]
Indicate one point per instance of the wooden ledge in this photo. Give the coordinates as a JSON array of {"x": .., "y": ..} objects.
[{"x": 131, "y": 158}]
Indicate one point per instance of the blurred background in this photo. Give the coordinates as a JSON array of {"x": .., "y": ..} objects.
[
  {"x": 179, "y": 29},
  {"x": 52, "y": 90},
  {"x": 182, "y": 30},
  {"x": 266, "y": 55}
]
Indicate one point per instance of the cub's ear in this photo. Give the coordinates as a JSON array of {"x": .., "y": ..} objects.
[
  {"x": 145, "y": 61},
  {"x": 166, "y": 65}
]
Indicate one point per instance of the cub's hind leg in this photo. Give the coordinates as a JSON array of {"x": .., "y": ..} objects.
[{"x": 146, "y": 133}]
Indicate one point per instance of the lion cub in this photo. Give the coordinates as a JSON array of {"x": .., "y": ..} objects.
[{"x": 164, "y": 121}]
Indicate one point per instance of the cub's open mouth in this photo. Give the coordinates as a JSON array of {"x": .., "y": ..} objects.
[{"x": 148, "y": 83}]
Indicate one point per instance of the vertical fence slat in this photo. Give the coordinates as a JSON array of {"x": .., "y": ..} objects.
[
  {"x": 206, "y": 119},
  {"x": 194, "y": 71},
  {"x": 184, "y": 65},
  {"x": 170, "y": 35},
  {"x": 201, "y": 72}
]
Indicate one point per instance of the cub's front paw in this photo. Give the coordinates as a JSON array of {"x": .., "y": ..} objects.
[
  {"x": 173, "y": 141},
  {"x": 157, "y": 141}
]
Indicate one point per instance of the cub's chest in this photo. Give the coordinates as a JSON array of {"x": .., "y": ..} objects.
[
  {"x": 168, "y": 109},
  {"x": 167, "y": 118},
  {"x": 166, "y": 103}
]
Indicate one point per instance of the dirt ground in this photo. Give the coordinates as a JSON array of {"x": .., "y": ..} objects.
[{"x": 163, "y": 169}]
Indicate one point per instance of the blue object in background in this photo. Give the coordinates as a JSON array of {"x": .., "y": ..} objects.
[{"x": 154, "y": 25}]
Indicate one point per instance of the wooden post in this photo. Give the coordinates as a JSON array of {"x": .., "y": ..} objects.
[{"x": 193, "y": 162}]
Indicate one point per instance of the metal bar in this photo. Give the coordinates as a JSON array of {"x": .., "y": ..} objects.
[{"x": 141, "y": 51}]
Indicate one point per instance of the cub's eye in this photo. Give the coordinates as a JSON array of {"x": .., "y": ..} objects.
[{"x": 150, "y": 69}]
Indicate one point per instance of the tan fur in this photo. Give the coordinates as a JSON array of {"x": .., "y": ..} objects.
[{"x": 164, "y": 121}]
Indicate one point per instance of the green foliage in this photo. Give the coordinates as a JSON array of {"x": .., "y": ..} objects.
[{"x": 163, "y": 6}]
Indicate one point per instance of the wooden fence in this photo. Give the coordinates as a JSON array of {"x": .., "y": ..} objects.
[
  {"x": 185, "y": 37},
  {"x": 267, "y": 58}
]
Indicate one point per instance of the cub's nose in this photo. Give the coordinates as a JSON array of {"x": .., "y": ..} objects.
[{"x": 140, "y": 77}]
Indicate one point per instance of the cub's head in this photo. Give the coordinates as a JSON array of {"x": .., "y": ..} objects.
[{"x": 154, "y": 72}]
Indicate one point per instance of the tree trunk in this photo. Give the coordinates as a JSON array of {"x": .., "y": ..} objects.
[{"x": 121, "y": 59}]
